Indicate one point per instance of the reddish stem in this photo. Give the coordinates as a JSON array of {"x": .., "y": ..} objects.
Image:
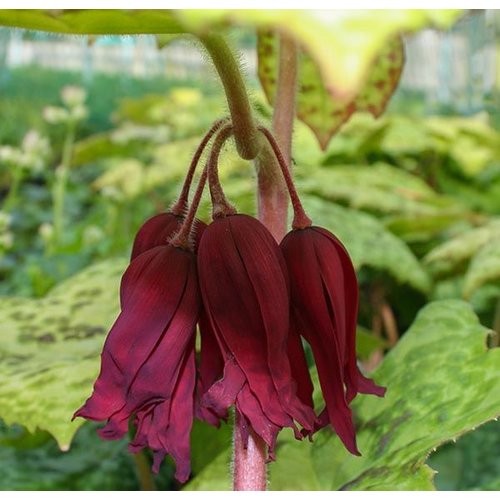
[
  {"x": 249, "y": 458},
  {"x": 180, "y": 206},
  {"x": 220, "y": 205},
  {"x": 182, "y": 238},
  {"x": 300, "y": 219}
]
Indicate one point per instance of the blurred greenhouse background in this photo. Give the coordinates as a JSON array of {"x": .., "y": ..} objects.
[{"x": 96, "y": 134}]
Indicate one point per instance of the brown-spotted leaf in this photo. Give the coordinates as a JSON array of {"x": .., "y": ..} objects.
[{"x": 317, "y": 107}]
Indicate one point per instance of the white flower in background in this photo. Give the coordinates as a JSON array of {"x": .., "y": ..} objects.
[
  {"x": 10, "y": 155},
  {"x": 79, "y": 113},
  {"x": 46, "y": 231},
  {"x": 35, "y": 151},
  {"x": 73, "y": 96},
  {"x": 55, "y": 115},
  {"x": 32, "y": 155},
  {"x": 92, "y": 235}
]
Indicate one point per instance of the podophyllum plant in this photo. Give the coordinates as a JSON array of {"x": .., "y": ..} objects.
[{"x": 253, "y": 290}]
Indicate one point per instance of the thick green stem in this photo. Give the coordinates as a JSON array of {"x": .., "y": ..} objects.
[
  {"x": 59, "y": 188},
  {"x": 272, "y": 195},
  {"x": 245, "y": 131}
]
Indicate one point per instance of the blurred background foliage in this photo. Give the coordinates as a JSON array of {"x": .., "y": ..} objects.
[{"x": 84, "y": 160}]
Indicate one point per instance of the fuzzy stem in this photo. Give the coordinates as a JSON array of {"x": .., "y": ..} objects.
[
  {"x": 181, "y": 204},
  {"x": 220, "y": 205},
  {"x": 300, "y": 219},
  {"x": 272, "y": 193},
  {"x": 182, "y": 238},
  {"x": 245, "y": 132},
  {"x": 249, "y": 459}
]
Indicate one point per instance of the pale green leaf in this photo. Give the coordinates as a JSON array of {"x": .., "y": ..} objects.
[
  {"x": 484, "y": 267},
  {"x": 343, "y": 43},
  {"x": 381, "y": 188},
  {"x": 442, "y": 381},
  {"x": 316, "y": 106},
  {"x": 462, "y": 247},
  {"x": 50, "y": 349}
]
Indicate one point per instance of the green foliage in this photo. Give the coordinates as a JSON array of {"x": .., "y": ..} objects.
[
  {"x": 470, "y": 463},
  {"x": 316, "y": 106},
  {"x": 378, "y": 188},
  {"x": 444, "y": 348},
  {"x": 50, "y": 350},
  {"x": 344, "y": 34}
]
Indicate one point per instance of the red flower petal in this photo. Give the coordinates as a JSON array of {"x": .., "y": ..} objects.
[
  {"x": 246, "y": 299},
  {"x": 146, "y": 348},
  {"x": 157, "y": 231},
  {"x": 314, "y": 316}
]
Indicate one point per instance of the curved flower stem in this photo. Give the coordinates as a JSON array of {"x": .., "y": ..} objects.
[
  {"x": 300, "y": 219},
  {"x": 245, "y": 131},
  {"x": 249, "y": 459},
  {"x": 182, "y": 238},
  {"x": 273, "y": 198},
  {"x": 220, "y": 206},
  {"x": 181, "y": 204}
]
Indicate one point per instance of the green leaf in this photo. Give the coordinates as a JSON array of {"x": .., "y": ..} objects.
[
  {"x": 50, "y": 349},
  {"x": 462, "y": 247},
  {"x": 316, "y": 106},
  {"x": 343, "y": 44},
  {"x": 367, "y": 342},
  {"x": 93, "y": 21},
  {"x": 442, "y": 382},
  {"x": 421, "y": 228},
  {"x": 368, "y": 242},
  {"x": 484, "y": 267},
  {"x": 380, "y": 188}
]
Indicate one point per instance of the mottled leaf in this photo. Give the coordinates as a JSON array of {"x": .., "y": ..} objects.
[
  {"x": 442, "y": 382},
  {"x": 380, "y": 188},
  {"x": 462, "y": 247},
  {"x": 343, "y": 43},
  {"x": 316, "y": 106},
  {"x": 484, "y": 267},
  {"x": 49, "y": 349}
]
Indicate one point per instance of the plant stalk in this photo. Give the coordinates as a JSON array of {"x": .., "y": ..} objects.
[
  {"x": 249, "y": 458},
  {"x": 59, "y": 188},
  {"x": 272, "y": 195},
  {"x": 143, "y": 471},
  {"x": 245, "y": 130}
]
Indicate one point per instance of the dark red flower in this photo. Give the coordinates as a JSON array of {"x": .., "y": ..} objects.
[
  {"x": 147, "y": 363},
  {"x": 157, "y": 231},
  {"x": 246, "y": 298},
  {"x": 324, "y": 306}
]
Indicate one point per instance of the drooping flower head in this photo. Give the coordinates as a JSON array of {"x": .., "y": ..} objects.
[
  {"x": 148, "y": 370},
  {"x": 244, "y": 285},
  {"x": 324, "y": 308},
  {"x": 147, "y": 359}
]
